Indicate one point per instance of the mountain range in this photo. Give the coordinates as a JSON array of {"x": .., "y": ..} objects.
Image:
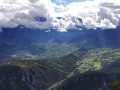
[{"x": 33, "y": 59}]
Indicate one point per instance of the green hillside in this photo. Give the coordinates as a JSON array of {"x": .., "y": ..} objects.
[{"x": 105, "y": 63}]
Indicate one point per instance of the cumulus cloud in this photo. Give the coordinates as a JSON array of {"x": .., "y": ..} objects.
[
  {"x": 94, "y": 14},
  {"x": 24, "y": 12}
]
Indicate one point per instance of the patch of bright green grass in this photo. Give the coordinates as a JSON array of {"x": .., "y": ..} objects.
[
  {"x": 117, "y": 53},
  {"x": 97, "y": 65}
]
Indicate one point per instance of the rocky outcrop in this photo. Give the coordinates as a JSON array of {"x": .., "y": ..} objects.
[{"x": 34, "y": 78}]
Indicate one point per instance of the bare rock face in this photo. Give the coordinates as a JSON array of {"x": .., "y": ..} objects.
[{"x": 34, "y": 78}]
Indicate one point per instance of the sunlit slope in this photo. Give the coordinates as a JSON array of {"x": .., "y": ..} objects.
[{"x": 96, "y": 69}]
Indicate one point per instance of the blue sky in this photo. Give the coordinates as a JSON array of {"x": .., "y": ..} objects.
[{"x": 66, "y": 1}]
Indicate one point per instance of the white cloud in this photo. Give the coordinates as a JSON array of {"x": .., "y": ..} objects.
[
  {"x": 61, "y": 1},
  {"x": 106, "y": 24},
  {"x": 98, "y": 13},
  {"x": 23, "y": 12}
]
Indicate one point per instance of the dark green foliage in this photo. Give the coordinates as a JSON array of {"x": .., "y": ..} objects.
[
  {"x": 114, "y": 86},
  {"x": 89, "y": 81},
  {"x": 65, "y": 63}
]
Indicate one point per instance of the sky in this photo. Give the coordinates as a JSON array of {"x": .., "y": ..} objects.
[
  {"x": 65, "y": 2},
  {"x": 104, "y": 14}
]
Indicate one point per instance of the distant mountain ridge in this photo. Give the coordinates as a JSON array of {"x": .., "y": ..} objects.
[{"x": 15, "y": 40}]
